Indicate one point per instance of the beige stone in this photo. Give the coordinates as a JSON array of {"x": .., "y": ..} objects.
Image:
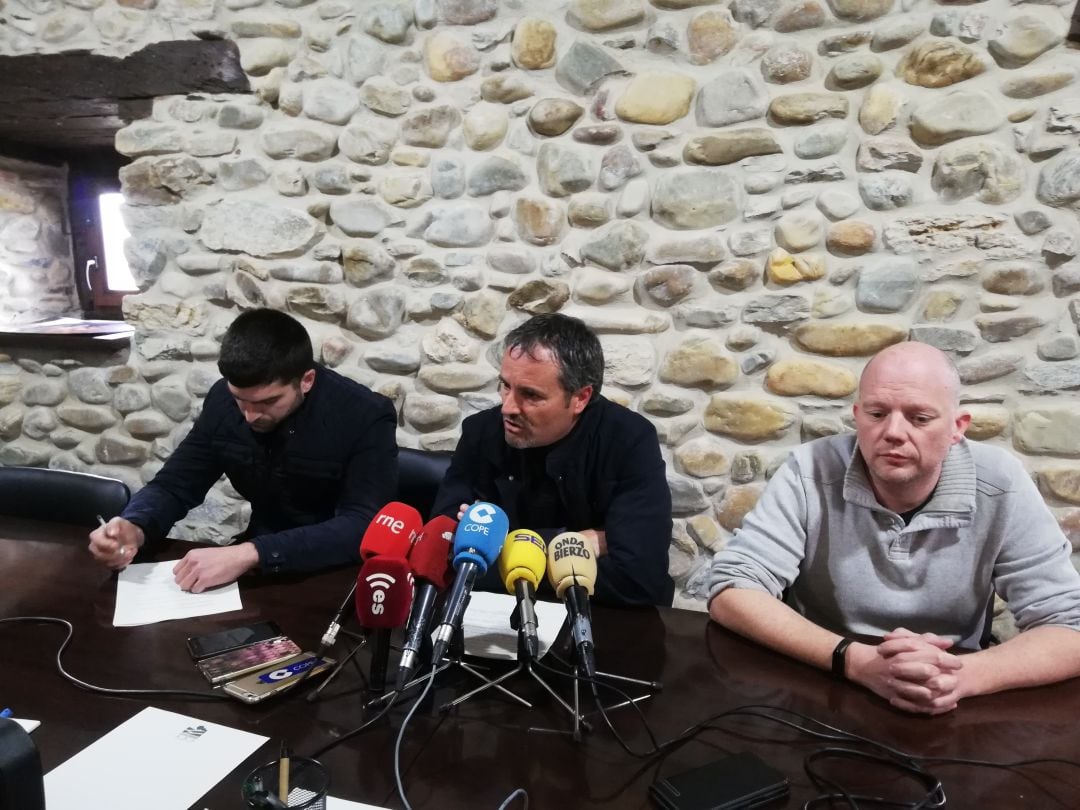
[
  {"x": 1069, "y": 521},
  {"x": 941, "y": 305},
  {"x": 504, "y": 89},
  {"x": 939, "y": 63},
  {"x": 1061, "y": 482},
  {"x": 1049, "y": 430},
  {"x": 10, "y": 388},
  {"x": 847, "y": 339},
  {"x": 722, "y": 148},
  {"x": 794, "y": 378},
  {"x": 453, "y": 378},
  {"x": 602, "y": 15},
  {"x": 484, "y": 127},
  {"x": 1037, "y": 83},
  {"x": 482, "y": 313},
  {"x": 448, "y": 58},
  {"x": 540, "y": 296},
  {"x": 533, "y": 46},
  {"x": 880, "y": 108},
  {"x": 987, "y": 421},
  {"x": 430, "y": 412},
  {"x": 783, "y": 268},
  {"x": 699, "y": 362},
  {"x": 850, "y": 237},
  {"x": 553, "y": 116},
  {"x": 658, "y": 97},
  {"x": 748, "y": 420},
  {"x": 705, "y": 532},
  {"x": 806, "y": 108},
  {"x": 798, "y": 230},
  {"x": 737, "y": 503},
  {"x": 539, "y": 221},
  {"x": 702, "y": 457},
  {"x": 709, "y": 36}
]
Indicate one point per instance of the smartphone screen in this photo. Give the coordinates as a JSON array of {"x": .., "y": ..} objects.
[
  {"x": 234, "y": 663},
  {"x": 233, "y": 639},
  {"x": 261, "y": 685}
]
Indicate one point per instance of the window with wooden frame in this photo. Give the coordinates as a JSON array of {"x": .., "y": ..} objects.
[{"x": 102, "y": 277}]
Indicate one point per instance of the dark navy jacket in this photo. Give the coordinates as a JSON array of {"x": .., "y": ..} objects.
[
  {"x": 314, "y": 483},
  {"x": 609, "y": 474}
]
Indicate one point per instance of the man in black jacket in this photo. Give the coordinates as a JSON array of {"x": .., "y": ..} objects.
[
  {"x": 313, "y": 452},
  {"x": 557, "y": 456}
]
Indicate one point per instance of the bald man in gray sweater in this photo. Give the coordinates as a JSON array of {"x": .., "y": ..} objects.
[{"x": 904, "y": 531}]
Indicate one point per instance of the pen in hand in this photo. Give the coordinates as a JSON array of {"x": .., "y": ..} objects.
[
  {"x": 121, "y": 549},
  {"x": 283, "y": 774}
]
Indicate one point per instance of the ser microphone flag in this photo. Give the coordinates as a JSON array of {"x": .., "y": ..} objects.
[
  {"x": 477, "y": 542},
  {"x": 384, "y": 592},
  {"x": 521, "y": 567},
  {"x": 572, "y": 573},
  {"x": 430, "y": 562}
]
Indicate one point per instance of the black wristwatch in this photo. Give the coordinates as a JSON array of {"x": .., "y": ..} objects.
[{"x": 838, "y": 657}]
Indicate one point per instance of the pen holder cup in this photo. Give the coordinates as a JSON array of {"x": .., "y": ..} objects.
[{"x": 308, "y": 784}]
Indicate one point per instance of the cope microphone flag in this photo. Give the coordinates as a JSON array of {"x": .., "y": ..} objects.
[
  {"x": 430, "y": 562},
  {"x": 477, "y": 542},
  {"x": 572, "y": 573},
  {"x": 521, "y": 567},
  {"x": 390, "y": 533}
]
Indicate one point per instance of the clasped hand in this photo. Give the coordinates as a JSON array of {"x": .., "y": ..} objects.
[{"x": 914, "y": 672}]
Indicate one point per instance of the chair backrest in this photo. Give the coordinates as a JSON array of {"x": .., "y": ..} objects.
[
  {"x": 60, "y": 495},
  {"x": 419, "y": 474}
]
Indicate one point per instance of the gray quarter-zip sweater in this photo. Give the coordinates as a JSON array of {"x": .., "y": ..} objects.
[{"x": 819, "y": 539}]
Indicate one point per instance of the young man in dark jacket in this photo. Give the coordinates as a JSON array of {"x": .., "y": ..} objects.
[
  {"x": 557, "y": 456},
  {"x": 313, "y": 452}
]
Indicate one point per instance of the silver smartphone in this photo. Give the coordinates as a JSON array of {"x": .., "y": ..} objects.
[{"x": 273, "y": 680}]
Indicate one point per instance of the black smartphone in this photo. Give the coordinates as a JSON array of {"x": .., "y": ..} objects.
[
  {"x": 737, "y": 782},
  {"x": 234, "y": 638}
]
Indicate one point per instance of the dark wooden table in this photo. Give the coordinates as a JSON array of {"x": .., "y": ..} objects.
[{"x": 476, "y": 755}]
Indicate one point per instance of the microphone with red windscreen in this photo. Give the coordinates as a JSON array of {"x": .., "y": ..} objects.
[
  {"x": 390, "y": 533},
  {"x": 384, "y": 592},
  {"x": 430, "y": 561}
]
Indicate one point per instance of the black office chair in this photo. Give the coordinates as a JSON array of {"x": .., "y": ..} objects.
[
  {"x": 60, "y": 495},
  {"x": 419, "y": 474}
]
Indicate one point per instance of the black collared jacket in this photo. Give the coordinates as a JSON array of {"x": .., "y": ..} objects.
[
  {"x": 610, "y": 475},
  {"x": 314, "y": 483}
]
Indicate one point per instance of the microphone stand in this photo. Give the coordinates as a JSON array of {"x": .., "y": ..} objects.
[
  {"x": 316, "y": 693},
  {"x": 525, "y": 665},
  {"x": 652, "y": 686},
  {"x": 454, "y": 657}
]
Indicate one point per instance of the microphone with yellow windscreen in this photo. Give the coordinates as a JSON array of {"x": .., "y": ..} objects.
[
  {"x": 572, "y": 573},
  {"x": 521, "y": 566}
]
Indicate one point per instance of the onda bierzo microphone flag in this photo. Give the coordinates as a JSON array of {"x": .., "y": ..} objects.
[{"x": 572, "y": 572}]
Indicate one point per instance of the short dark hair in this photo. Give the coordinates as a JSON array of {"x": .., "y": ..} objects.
[
  {"x": 264, "y": 346},
  {"x": 575, "y": 347}
]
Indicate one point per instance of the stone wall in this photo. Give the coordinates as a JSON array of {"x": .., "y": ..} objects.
[
  {"x": 744, "y": 198},
  {"x": 36, "y": 276}
]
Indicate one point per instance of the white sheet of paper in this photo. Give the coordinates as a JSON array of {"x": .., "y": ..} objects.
[
  {"x": 342, "y": 804},
  {"x": 147, "y": 593},
  {"x": 156, "y": 759},
  {"x": 487, "y": 625},
  {"x": 28, "y": 725}
]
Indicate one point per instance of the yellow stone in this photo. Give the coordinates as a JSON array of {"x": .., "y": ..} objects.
[
  {"x": 793, "y": 378},
  {"x": 749, "y": 420},
  {"x": 705, "y": 532},
  {"x": 702, "y": 458},
  {"x": 533, "y": 47},
  {"x": 847, "y": 339},
  {"x": 1062, "y": 482},
  {"x": 987, "y": 421},
  {"x": 783, "y": 268},
  {"x": 941, "y": 305},
  {"x": 656, "y": 98},
  {"x": 737, "y": 503},
  {"x": 851, "y": 237}
]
